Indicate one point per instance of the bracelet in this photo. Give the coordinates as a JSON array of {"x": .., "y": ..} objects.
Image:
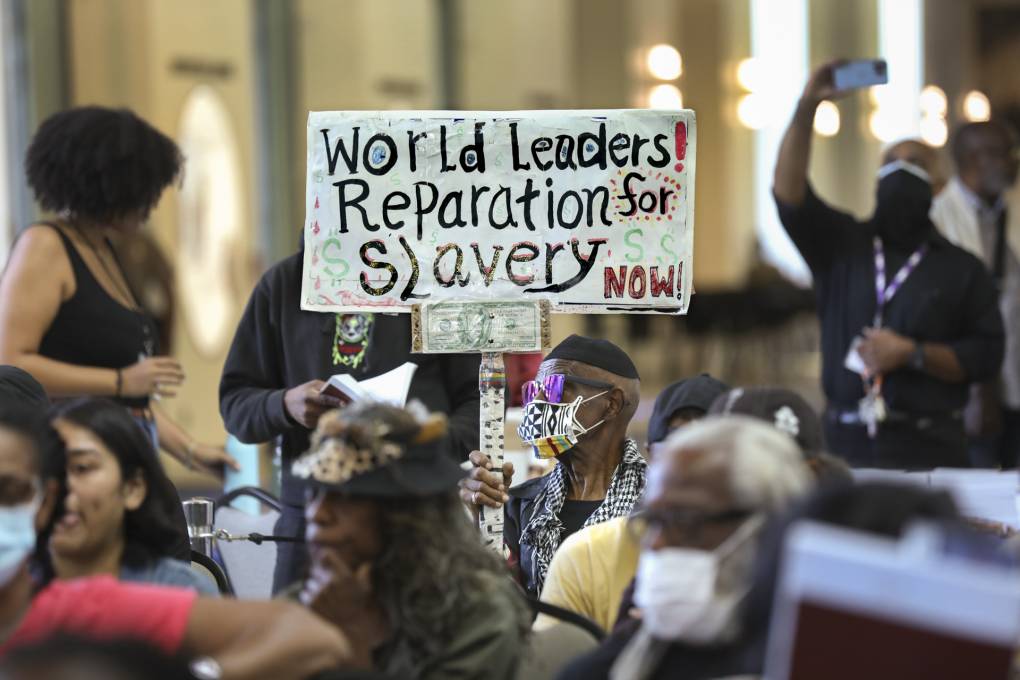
[{"x": 120, "y": 383}]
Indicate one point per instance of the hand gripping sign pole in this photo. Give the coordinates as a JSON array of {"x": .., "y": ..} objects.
[{"x": 492, "y": 329}]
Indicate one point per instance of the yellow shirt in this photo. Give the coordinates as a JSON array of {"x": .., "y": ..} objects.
[{"x": 590, "y": 571}]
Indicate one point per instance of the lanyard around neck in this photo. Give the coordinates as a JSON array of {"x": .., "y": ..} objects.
[{"x": 883, "y": 293}]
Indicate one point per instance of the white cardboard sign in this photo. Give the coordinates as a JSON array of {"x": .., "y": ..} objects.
[{"x": 591, "y": 210}]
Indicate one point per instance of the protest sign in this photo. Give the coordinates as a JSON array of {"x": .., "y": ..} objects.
[{"x": 590, "y": 210}]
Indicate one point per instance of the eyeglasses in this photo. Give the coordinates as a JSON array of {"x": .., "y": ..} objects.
[
  {"x": 678, "y": 528},
  {"x": 552, "y": 386}
]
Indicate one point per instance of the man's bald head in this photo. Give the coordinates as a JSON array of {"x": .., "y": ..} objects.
[
  {"x": 984, "y": 154},
  {"x": 918, "y": 153}
]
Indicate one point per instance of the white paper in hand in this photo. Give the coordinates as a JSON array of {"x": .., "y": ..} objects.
[
  {"x": 389, "y": 388},
  {"x": 853, "y": 361}
]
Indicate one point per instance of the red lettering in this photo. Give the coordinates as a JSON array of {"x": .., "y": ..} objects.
[
  {"x": 614, "y": 285},
  {"x": 637, "y": 276},
  {"x": 663, "y": 286}
]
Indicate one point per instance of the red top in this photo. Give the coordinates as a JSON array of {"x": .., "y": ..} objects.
[{"x": 102, "y": 607}]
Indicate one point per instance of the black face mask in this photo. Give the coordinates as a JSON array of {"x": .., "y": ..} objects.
[{"x": 901, "y": 210}]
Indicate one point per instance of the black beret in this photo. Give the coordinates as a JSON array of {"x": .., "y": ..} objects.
[{"x": 598, "y": 353}]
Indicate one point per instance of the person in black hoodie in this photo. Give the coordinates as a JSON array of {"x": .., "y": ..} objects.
[{"x": 280, "y": 357}]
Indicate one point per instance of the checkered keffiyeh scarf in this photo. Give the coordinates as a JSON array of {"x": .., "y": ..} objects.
[{"x": 543, "y": 531}]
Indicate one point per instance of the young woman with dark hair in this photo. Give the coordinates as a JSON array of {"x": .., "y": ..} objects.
[
  {"x": 121, "y": 516},
  {"x": 223, "y": 638},
  {"x": 67, "y": 313}
]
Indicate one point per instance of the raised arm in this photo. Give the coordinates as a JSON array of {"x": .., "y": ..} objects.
[{"x": 790, "y": 179}]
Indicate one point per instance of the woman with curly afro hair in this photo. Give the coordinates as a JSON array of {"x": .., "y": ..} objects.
[{"x": 67, "y": 313}]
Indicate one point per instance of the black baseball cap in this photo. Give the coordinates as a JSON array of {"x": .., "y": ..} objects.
[
  {"x": 698, "y": 393},
  {"x": 780, "y": 407}
]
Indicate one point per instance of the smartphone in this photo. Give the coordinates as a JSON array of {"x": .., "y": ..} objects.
[{"x": 861, "y": 73}]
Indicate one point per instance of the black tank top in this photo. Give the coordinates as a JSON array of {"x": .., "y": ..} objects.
[{"x": 93, "y": 329}]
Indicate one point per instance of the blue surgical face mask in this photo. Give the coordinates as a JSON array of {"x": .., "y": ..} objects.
[{"x": 17, "y": 536}]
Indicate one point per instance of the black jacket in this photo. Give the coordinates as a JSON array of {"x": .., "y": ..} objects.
[
  {"x": 517, "y": 513},
  {"x": 278, "y": 346}
]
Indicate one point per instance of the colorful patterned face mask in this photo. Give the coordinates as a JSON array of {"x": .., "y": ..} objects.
[{"x": 551, "y": 428}]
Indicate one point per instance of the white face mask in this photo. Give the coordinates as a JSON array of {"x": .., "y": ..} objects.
[
  {"x": 17, "y": 537},
  {"x": 692, "y": 595}
]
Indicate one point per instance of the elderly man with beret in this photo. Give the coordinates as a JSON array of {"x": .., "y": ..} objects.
[{"x": 576, "y": 410}]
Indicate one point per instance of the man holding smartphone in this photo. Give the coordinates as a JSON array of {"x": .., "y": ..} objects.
[{"x": 908, "y": 319}]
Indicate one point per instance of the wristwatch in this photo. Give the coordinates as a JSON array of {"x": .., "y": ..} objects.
[
  {"x": 917, "y": 357},
  {"x": 205, "y": 668}
]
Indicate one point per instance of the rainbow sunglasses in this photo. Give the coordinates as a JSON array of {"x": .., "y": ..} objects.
[{"x": 552, "y": 387}]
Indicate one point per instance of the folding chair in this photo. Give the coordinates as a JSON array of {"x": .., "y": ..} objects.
[
  {"x": 248, "y": 566},
  {"x": 548, "y": 653},
  {"x": 208, "y": 568}
]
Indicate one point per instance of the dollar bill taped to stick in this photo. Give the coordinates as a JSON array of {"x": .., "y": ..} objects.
[{"x": 491, "y": 326}]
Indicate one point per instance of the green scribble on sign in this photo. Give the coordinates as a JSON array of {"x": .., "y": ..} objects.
[
  {"x": 640, "y": 249},
  {"x": 337, "y": 260},
  {"x": 668, "y": 249}
]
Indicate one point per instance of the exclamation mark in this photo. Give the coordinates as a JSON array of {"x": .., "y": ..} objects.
[
  {"x": 315, "y": 228},
  {"x": 681, "y": 145},
  {"x": 316, "y": 201}
]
